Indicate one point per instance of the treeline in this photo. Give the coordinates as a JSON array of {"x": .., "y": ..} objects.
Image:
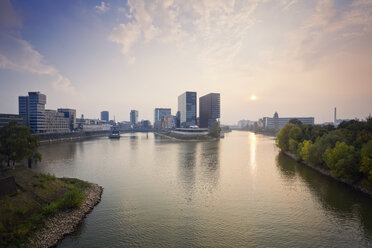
[
  {"x": 345, "y": 151},
  {"x": 17, "y": 144}
]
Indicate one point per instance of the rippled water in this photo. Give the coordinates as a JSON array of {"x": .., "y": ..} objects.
[{"x": 236, "y": 192}]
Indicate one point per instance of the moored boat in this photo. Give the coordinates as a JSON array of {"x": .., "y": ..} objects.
[{"x": 114, "y": 133}]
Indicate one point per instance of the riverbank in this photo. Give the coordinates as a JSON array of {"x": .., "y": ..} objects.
[
  {"x": 185, "y": 138},
  {"x": 43, "y": 209},
  {"x": 61, "y": 137},
  {"x": 324, "y": 172},
  {"x": 66, "y": 222}
]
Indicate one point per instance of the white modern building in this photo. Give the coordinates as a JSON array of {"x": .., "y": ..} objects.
[{"x": 277, "y": 123}]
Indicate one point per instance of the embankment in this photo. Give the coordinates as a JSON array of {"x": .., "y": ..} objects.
[
  {"x": 43, "y": 209},
  {"x": 46, "y": 138},
  {"x": 327, "y": 173}
]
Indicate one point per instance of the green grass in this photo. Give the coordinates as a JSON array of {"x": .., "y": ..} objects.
[{"x": 25, "y": 212}]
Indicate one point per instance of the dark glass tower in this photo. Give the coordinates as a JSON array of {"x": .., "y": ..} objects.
[{"x": 209, "y": 109}]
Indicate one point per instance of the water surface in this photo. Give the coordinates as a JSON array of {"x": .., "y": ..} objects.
[{"x": 236, "y": 192}]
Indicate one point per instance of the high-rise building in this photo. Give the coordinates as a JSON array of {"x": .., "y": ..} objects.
[
  {"x": 105, "y": 116},
  {"x": 159, "y": 113},
  {"x": 71, "y": 115},
  {"x": 187, "y": 109},
  {"x": 23, "y": 108},
  {"x": 209, "y": 109},
  {"x": 33, "y": 108},
  {"x": 133, "y": 117}
]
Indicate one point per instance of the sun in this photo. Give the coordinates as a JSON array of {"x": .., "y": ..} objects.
[{"x": 253, "y": 98}]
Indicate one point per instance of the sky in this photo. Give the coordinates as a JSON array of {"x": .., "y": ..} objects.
[{"x": 297, "y": 57}]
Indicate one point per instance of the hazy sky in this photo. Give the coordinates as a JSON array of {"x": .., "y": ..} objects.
[{"x": 300, "y": 58}]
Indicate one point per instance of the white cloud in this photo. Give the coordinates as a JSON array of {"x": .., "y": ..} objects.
[
  {"x": 102, "y": 8},
  {"x": 218, "y": 26}
]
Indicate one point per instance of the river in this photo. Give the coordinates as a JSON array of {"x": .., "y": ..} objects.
[{"x": 236, "y": 192}]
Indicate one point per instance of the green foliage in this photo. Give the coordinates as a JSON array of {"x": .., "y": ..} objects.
[
  {"x": 346, "y": 150},
  {"x": 215, "y": 130},
  {"x": 19, "y": 221},
  {"x": 16, "y": 144},
  {"x": 305, "y": 147},
  {"x": 293, "y": 145},
  {"x": 46, "y": 177},
  {"x": 366, "y": 163},
  {"x": 342, "y": 161},
  {"x": 282, "y": 138},
  {"x": 296, "y": 133}
]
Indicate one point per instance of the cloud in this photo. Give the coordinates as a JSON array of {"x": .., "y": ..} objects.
[
  {"x": 102, "y": 8},
  {"x": 17, "y": 54},
  {"x": 330, "y": 29},
  {"x": 220, "y": 26}
]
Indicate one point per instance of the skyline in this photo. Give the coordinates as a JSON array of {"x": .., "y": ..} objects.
[{"x": 119, "y": 56}]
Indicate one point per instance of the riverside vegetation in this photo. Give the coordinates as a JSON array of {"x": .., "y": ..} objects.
[
  {"x": 38, "y": 197},
  {"x": 345, "y": 152}
]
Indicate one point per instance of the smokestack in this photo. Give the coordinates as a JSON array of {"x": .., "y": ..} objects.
[{"x": 335, "y": 118}]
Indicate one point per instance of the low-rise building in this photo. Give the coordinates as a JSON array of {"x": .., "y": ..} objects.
[
  {"x": 5, "y": 119},
  {"x": 56, "y": 122},
  {"x": 169, "y": 122},
  {"x": 277, "y": 123},
  {"x": 71, "y": 115}
]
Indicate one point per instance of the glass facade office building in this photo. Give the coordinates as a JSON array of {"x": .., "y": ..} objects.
[
  {"x": 160, "y": 112},
  {"x": 33, "y": 108},
  {"x": 209, "y": 109},
  {"x": 105, "y": 116},
  {"x": 133, "y": 117},
  {"x": 187, "y": 109}
]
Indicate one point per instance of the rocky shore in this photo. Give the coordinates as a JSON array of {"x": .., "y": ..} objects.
[{"x": 66, "y": 222}]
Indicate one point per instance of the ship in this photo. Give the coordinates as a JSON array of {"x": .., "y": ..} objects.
[{"x": 114, "y": 133}]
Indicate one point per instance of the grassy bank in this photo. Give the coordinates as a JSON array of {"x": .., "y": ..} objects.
[{"x": 38, "y": 197}]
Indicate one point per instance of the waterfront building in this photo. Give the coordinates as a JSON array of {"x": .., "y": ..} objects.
[
  {"x": 71, "y": 115},
  {"x": 56, "y": 122},
  {"x": 243, "y": 123},
  {"x": 92, "y": 124},
  {"x": 105, "y": 116},
  {"x": 125, "y": 125},
  {"x": 168, "y": 122},
  {"x": 133, "y": 117},
  {"x": 187, "y": 109},
  {"x": 277, "y": 123},
  {"x": 23, "y": 108},
  {"x": 190, "y": 132},
  {"x": 5, "y": 119},
  {"x": 158, "y": 114},
  {"x": 209, "y": 109},
  {"x": 33, "y": 108},
  {"x": 145, "y": 124}
]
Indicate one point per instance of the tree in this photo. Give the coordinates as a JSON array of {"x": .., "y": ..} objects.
[
  {"x": 16, "y": 144},
  {"x": 32, "y": 154},
  {"x": 366, "y": 163},
  {"x": 282, "y": 138},
  {"x": 305, "y": 148},
  {"x": 215, "y": 130},
  {"x": 342, "y": 161}
]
